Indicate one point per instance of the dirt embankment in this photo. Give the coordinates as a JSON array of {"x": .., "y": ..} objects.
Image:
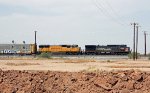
[{"x": 74, "y": 82}]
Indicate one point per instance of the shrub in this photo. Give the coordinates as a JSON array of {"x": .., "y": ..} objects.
[
  {"x": 108, "y": 60},
  {"x": 45, "y": 55},
  {"x": 148, "y": 56},
  {"x": 131, "y": 55}
]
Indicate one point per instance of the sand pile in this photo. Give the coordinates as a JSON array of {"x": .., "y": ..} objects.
[{"x": 74, "y": 82}]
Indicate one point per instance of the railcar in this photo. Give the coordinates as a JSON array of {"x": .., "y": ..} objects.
[
  {"x": 60, "y": 49},
  {"x": 17, "y": 49},
  {"x": 107, "y": 50}
]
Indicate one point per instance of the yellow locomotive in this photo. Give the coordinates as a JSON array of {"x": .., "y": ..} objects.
[{"x": 65, "y": 49}]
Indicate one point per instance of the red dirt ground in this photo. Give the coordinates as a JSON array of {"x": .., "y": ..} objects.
[{"x": 74, "y": 82}]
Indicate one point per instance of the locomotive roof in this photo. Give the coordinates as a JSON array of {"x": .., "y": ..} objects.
[{"x": 58, "y": 45}]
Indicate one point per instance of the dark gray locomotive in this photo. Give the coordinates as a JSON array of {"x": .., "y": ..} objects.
[{"x": 107, "y": 50}]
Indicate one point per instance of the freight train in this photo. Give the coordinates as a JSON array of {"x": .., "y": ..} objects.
[{"x": 29, "y": 49}]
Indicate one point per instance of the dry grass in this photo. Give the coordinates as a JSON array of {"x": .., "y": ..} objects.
[
  {"x": 79, "y": 61},
  {"x": 128, "y": 66},
  {"x": 21, "y": 64},
  {"x": 92, "y": 69}
]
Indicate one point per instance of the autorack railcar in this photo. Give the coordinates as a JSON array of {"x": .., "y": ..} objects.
[{"x": 17, "y": 48}]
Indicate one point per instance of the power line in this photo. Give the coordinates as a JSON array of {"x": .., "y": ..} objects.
[
  {"x": 107, "y": 13},
  {"x": 100, "y": 8},
  {"x": 114, "y": 12}
]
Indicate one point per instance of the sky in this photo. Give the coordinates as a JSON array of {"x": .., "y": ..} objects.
[{"x": 81, "y": 22}]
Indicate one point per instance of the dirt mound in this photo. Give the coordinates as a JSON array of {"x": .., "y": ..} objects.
[{"x": 74, "y": 82}]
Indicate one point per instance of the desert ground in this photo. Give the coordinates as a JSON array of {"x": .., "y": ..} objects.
[
  {"x": 74, "y": 65},
  {"x": 74, "y": 75}
]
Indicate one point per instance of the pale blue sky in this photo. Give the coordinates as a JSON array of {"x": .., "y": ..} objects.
[{"x": 74, "y": 21}]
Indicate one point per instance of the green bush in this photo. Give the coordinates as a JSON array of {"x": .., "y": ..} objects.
[
  {"x": 131, "y": 55},
  {"x": 148, "y": 56},
  {"x": 45, "y": 55}
]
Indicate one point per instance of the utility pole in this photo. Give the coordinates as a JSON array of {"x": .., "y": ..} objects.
[
  {"x": 134, "y": 24},
  {"x": 137, "y": 28},
  {"x": 145, "y": 41},
  {"x": 35, "y": 44}
]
